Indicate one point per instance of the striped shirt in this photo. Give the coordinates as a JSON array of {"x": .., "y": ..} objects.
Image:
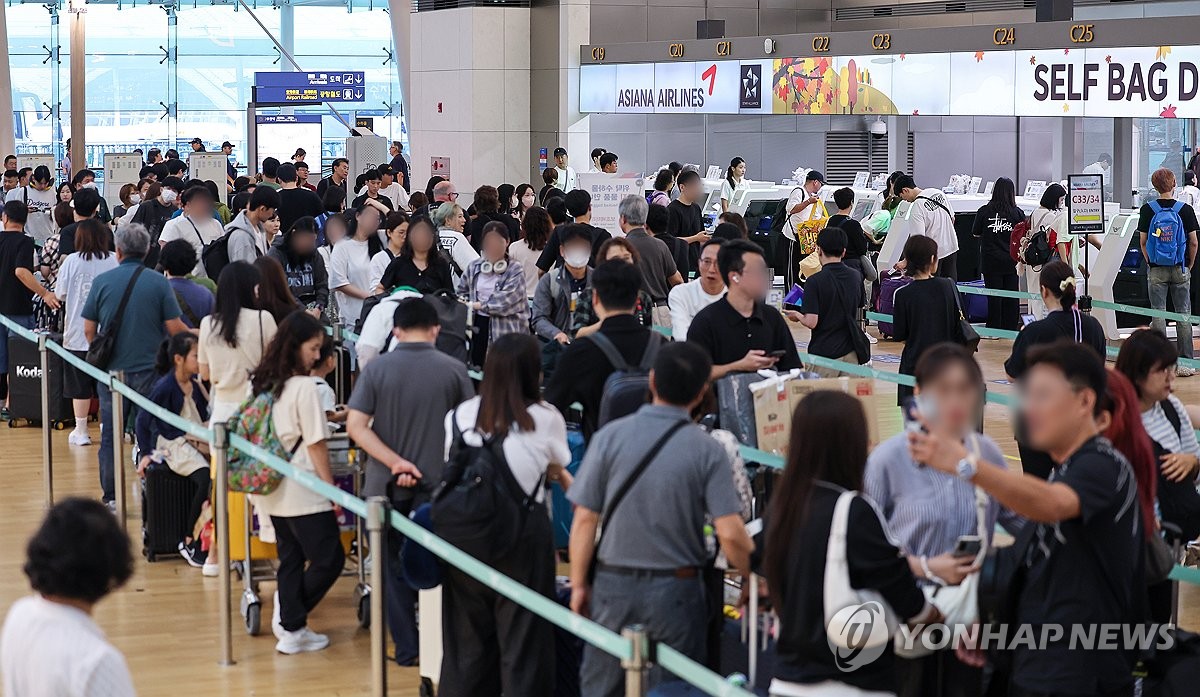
[
  {"x": 1162, "y": 431},
  {"x": 927, "y": 510}
]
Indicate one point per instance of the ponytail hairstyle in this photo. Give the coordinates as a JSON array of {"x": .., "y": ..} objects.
[
  {"x": 1058, "y": 278},
  {"x": 733, "y": 164},
  {"x": 180, "y": 344}
]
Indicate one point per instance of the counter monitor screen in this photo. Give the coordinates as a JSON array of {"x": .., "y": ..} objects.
[{"x": 861, "y": 209}]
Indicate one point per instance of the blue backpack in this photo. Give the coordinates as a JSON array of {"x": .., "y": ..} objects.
[{"x": 1166, "y": 243}]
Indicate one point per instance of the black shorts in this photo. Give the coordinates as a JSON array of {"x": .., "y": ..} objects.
[{"x": 76, "y": 383}]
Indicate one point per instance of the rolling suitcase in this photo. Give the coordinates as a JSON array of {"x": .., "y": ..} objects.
[
  {"x": 975, "y": 306},
  {"x": 25, "y": 384},
  {"x": 166, "y": 497},
  {"x": 561, "y": 510},
  {"x": 888, "y": 285}
]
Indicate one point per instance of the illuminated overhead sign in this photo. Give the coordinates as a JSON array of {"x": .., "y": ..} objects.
[{"x": 281, "y": 88}]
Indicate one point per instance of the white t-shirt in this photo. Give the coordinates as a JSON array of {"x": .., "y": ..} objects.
[
  {"x": 40, "y": 224},
  {"x": 686, "y": 301},
  {"x": 460, "y": 250},
  {"x": 1191, "y": 196},
  {"x": 521, "y": 252},
  {"x": 230, "y": 368},
  {"x": 349, "y": 264},
  {"x": 799, "y": 195},
  {"x": 396, "y": 194},
  {"x": 933, "y": 212},
  {"x": 376, "y": 335},
  {"x": 727, "y": 191},
  {"x": 200, "y": 233},
  {"x": 379, "y": 264},
  {"x": 528, "y": 453},
  {"x": 297, "y": 415},
  {"x": 566, "y": 179},
  {"x": 53, "y": 650},
  {"x": 75, "y": 278}
]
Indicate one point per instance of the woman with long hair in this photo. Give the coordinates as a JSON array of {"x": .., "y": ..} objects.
[
  {"x": 90, "y": 259},
  {"x": 535, "y": 231},
  {"x": 306, "y": 529},
  {"x": 533, "y": 436},
  {"x": 735, "y": 180},
  {"x": 274, "y": 296},
  {"x": 826, "y": 456},
  {"x": 421, "y": 264},
  {"x": 487, "y": 210},
  {"x": 350, "y": 264},
  {"x": 495, "y": 286},
  {"x": 993, "y": 228},
  {"x": 64, "y": 192},
  {"x": 526, "y": 199},
  {"x": 1057, "y": 284},
  {"x": 1050, "y": 214},
  {"x": 396, "y": 228},
  {"x": 508, "y": 200},
  {"x": 233, "y": 338},
  {"x": 927, "y": 512}
]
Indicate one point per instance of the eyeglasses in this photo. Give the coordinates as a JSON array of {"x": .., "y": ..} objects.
[
  {"x": 707, "y": 262},
  {"x": 453, "y": 194}
]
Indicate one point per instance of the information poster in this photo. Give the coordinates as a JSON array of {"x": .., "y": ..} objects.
[
  {"x": 1085, "y": 204},
  {"x": 439, "y": 166},
  {"x": 607, "y": 190},
  {"x": 278, "y": 136},
  {"x": 33, "y": 161},
  {"x": 210, "y": 166},
  {"x": 119, "y": 169}
]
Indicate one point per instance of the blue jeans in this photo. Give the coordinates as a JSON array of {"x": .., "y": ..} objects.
[
  {"x": 673, "y": 611},
  {"x": 1178, "y": 281},
  {"x": 142, "y": 381}
]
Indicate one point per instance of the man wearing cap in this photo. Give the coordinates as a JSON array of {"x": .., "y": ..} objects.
[
  {"x": 566, "y": 175},
  {"x": 230, "y": 171},
  {"x": 389, "y": 186},
  {"x": 197, "y": 145},
  {"x": 799, "y": 208}
]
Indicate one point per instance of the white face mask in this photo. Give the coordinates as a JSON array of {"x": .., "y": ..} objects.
[
  {"x": 89, "y": 185},
  {"x": 135, "y": 199},
  {"x": 577, "y": 258},
  {"x": 169, "y": 196},
  {"x": 527, "y": 199}
]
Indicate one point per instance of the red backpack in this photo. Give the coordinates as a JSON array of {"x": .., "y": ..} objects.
[{"x": 1019, "y": 231}]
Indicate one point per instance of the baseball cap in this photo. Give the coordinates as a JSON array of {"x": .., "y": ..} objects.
[
  {"x": 386, "y": 169},
  {"x": 560, "y": 151},
  {"x": 196, "y": 140},
  {"x": 814, "y": 175},
  {"x": 226, "y": 144}
]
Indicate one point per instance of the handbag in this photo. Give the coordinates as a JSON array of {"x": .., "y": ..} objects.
[
  {"x": 966, "y": 332},
  {"x": 810, "y": 265},
  {"x": 840, "y": 597},
  {"x": 807, "y": 230},
  {"x": 100, "y": 352}
]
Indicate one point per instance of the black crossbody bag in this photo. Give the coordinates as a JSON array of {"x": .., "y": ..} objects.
[{"x": 100, "y": 352}]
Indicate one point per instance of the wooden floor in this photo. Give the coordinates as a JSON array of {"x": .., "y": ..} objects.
[{"x": 165, "y": 619}]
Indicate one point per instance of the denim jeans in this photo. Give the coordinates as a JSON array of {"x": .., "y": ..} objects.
[
  {"x": 1178, "y": 281},
  {"x": 140, "y": 380},
  {"x": 671, "y": 609}
]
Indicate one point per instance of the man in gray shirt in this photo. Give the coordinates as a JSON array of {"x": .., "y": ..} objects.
[
  {"x": 655, "y": 260},
  {"x": 397, "y": 414},
  {"x": 653, "y": 579}
]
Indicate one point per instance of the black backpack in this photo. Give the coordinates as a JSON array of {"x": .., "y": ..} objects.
[
  {"x": 628, "y": 388},
  {"x": 216, "y": 255},
  {"x": 1178, "y": 501},
  {"x": 368, "y": 305},
  {"x": 479, "y": 506}
]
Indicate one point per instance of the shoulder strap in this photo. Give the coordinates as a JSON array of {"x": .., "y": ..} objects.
[
  {"x": 198, "y": 235},
  {"x": 626, "y": 485},
  {"x": 1155, "y": 206},
  {"x": 609, "y": 349},
  {"x": 653, "y": 344},
  {"x": 116, "y": 320},
  {"x": 1173, "y": 416},
  {"x": 1177, "y": 207},
  {"x": 939, "y": 205},
  {"x": 187, "y": 309}
]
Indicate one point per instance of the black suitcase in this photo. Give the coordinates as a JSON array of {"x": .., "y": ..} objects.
[
  {"x": 25, "y": 384},
  {"x": 166, "y": 498}
]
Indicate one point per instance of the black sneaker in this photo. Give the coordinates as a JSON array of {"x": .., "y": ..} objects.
[{"x": 192, "y": 554}]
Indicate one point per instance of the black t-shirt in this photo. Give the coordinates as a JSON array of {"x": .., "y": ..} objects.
[
  {"x": 1057, "y": 325},
  {"x": 360, "y": 201},
  {"x": 926, "y": 313},
  {"x": 1085, "y": 572},
  {"x": 66, "y": 240},
  {"x": 474, "y": 230},
  {"x": 1187, "y": 214},
  {"x": 993, "y": 227},
  {"x": 294, "y": 204},
  {"x": 552, "y": 252},
  {"x": 833, "y": 295},
  {"x": 727, "y": 336},
  {"x": 684, "y": 221},
  {"x": 856, "y": 240},
  {"x": 16, "y": 252},
  {"x": 403, "y": 272}
]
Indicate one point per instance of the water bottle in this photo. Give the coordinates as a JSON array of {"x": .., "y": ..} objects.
[{"x": 738, "y": 680}]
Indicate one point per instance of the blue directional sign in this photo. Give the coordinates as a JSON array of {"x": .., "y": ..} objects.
[{"x": 325, "y": 86}]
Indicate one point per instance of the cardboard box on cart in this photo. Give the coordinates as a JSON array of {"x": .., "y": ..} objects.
[{"x": 861, "y": 388}]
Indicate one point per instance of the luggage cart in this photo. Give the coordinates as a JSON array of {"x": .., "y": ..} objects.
[{"x": 253, "y": 562}]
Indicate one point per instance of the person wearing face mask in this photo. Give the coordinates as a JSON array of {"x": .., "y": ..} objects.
[
  {"x": 508, "y": 200},
  {"x": 38, "y": 197},
  {"x": 495, "y": 288},
  {"x": 526, "y": 198},
  {"x": 557, "y": 302},
  {"x": 157, "y": 210},
  {"x": 86, "y": 179}
]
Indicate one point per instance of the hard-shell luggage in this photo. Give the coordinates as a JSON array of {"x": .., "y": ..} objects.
[
  {"x": 166, "y": 498},
  {"x": 25, "y": 384},
  {"x": 975, "y": 306},
  {"x": 888, "y": 285},
  {"x": 561, "y": 510}
]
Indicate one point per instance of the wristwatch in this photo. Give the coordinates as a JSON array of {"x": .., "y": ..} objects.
[{"x": 967, "y": 467}]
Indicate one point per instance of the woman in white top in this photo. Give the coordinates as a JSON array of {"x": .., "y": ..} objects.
[
  {"x": 396, "y": 227},
  {"x": 50, "y": 645},
  {"x": 350, "y": 265},
  {"x": 306, "y": 528},
  {"x": 509, "y": 407},
  {"x": 1051, "y": 213},
  {"x": 536, "y": 227},
  {"x": 735, "y": 179},
  {"x": 1191, "y": 193},
  {"x": 233, "y": 338},
  {"x": 90, "y": 259}
]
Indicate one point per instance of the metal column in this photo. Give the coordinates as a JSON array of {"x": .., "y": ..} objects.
[
  {"x": 7, "y": 136},
  {"x": 118, "y": 436},
  {"x": 1122, "y": 169},
  {"x": 376, "y": 529},
  {"x": 47, "y": 427},
  {"x": 635, "y": 668},
  {"x": 79, "y": 100},
  {"x": 220, "y": 451}
]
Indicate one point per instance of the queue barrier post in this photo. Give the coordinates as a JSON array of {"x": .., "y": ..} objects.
[
  {"x": 376, "y": 515},
  {"x": 118, "y": 438},
  {"x": 636, "y": 665},
  {"x": 220, "y": 452},
  {"x": 47, "y": 427},
  {"x": 336, "y": 330}
]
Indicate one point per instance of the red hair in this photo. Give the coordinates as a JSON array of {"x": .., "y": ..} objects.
[{"x": 1129, "y": 437}]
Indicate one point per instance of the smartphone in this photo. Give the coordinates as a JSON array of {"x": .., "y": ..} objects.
[
  {"x": 777, "y": 354},
  {"x": 912, "y": 407},
  {"x": 1027, "y": 319},
  {"x": 968, "y": 546}
]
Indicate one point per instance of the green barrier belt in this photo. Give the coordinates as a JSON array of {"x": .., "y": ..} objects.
[
  {"x": 862, "y": 371},
  {"x": 1102, "y": 304},
  {"x": 1019, "y": 294},
  {"x": 1187, "y": 574},
  {"x": 762, "y": 457},
  {"x": 696, "y": 674}
]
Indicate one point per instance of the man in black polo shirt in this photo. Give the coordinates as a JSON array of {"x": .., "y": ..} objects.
[
  {"x": 1084, "y": 559},
  {"x": 831, "y": 299},
  {"x": 583, "y": 368},
  {"x": 740, "y": 331}
]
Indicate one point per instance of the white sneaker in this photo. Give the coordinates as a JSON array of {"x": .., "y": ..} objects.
[
  {"x": 872, "y": 339},
  {"x": 210, "y": 569},
  {"x": 1183, "y": 371},
  {"x": 79, "y": 438},
  {"x": 301, "y": 641},
  {"x": 276, "y": 619}
]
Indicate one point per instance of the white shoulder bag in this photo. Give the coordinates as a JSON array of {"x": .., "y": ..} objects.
[{"x": 843, "y": 625}]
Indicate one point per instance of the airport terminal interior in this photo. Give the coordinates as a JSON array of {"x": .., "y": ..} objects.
[{"x": 1090, "y": 98}]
